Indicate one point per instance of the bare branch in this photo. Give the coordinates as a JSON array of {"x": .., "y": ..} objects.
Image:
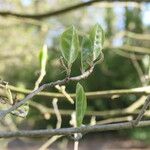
[
  {"x": 139, "y": 70},
  {"x": 45, "y": 111},
  {"x": 129, "y": 48},
  {"x": 49, "y": 142},
  {"x": 132, "y": 35},
  {"x": 69, "y": 131},
  {"x": 105, "y": 114},
  {"x": 90, "y": 95},
  {"x": 58, "y": 125},
  {"x": 3, "y": 113},
  {"x": 83, "y": 76},
  {"x": 138, "y": 103},
  {"x": 142, "y": 111},
  {"x": 61, "y": 11},
  {"x": 63, "y": 91},
  {"x": 115, "y": 120},
  {"x": 58, "y": 115}
]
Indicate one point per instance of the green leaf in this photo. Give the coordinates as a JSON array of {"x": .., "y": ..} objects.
[
  {"x": 22, "y": 111},
  {"x": 97, "y": 40},
  {"x": 86, "y": 54},
  {"x": 81, "y": 104},
  {"x": 43, "y": 56},
  {"x": 69, "y": 44}
]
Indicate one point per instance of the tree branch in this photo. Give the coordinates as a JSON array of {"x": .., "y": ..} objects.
[
  {"x": 142, "y": 112},
  {"x": 137, "y": 104},
  {"x": 61, "y": 11},
  {"x": 139, "y": 70},
  {"x": 69, "y": 131},
  {"x": 3, "y": 113},
  {"x": 133, "y": 35},
  {"x": 115, "y": 120},
  {"x": 90, "y": 95},
  {"x": 129, "y": 48},
  {"x": 58, "y": 125},
  {"x": 104, "y": 114}
]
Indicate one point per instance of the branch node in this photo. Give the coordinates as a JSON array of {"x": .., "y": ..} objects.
[
  {"x": 76, "y": 136},
  {"x": 134, "y": 123}
]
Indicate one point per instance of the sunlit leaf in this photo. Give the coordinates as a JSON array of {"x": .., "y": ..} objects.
[
  {"x": 22, "y": 111},
  {"x": 86, "y": 54},
  {"x": 81, "y": 104},
  {"x": 97, "y": 40},
  {"x": 69, "y": 45},
  {"x": 43, "y": 56}
]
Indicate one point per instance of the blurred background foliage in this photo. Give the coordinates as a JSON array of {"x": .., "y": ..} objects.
[{"x": 22, "y": 39}]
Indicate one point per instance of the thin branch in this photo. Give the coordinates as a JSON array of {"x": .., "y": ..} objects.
[
  {"x": 132, "y": 35},
  {"x": 82, "y": 76},
  {"x": 59, "y": 82},
  {"x": 69, "y": 131},
  {"x": 61, "y": 11},
  {"x": 144, "y": 99},
  {"x": 144, "y": 82},
  {"x": 48, "y": 14},
  {"x": 58, "y": 125},
  {"x": 39, "y": 80},
  {"x": 129, "y": 48},
  {"x": 105, "y": 114},
  {"x": 49, "y": 142},
  {"x": 142, "y": 112},
  {"x": 122, "y": 4},
  {"x": 139, "y": 70},
  {"x": 126, "y": 54},
  {"x": 3, "y": 113},
  {"x": 90, "y": 95},
  {"x": 63, "y": 91},
  {"x": 136, "y": 104},
  {"x": 15, "y": 22},
  {"x": 115, "y": 120},
  {"x": 45, "y": 111},
  {"x": 58, "y": 115}
]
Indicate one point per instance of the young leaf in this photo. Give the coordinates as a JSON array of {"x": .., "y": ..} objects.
[
  {"x": 22, "y": 111},
  {"x": 81, "y": 104},
  {"x": 86, "y": 54},
  {"x": 43, "y": 56},
  {"x": 69, "y": 44},
  {"x": 97, "y": 40}
]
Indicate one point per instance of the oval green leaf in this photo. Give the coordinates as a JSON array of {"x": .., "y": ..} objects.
[
  {"x": 86, "y": 54},
  {"x": 97, "y": 40},
  {"x": 69, "y": 44},
  {"x": 81, "y": 104}
]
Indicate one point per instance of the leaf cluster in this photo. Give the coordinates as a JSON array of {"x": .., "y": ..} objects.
[{"x": 90, "y": 48}]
